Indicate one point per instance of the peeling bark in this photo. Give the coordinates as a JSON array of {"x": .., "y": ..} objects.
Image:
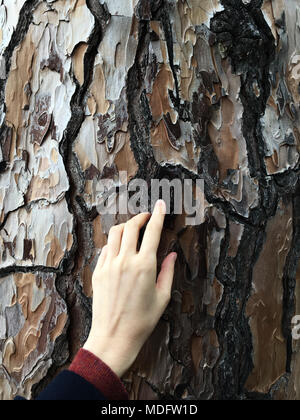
[{"x": 160, "y": 89}]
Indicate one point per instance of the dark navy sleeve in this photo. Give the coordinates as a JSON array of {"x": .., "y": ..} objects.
[{"x": 69, "y": 386}]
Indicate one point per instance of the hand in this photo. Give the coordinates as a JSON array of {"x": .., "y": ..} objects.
[{"x": 127, "y": 300}]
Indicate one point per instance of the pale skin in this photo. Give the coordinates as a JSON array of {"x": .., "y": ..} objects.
[{"x": 128, "y": 296}]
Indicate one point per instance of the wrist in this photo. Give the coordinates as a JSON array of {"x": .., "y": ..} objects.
[{"x": 118, "y": 357}]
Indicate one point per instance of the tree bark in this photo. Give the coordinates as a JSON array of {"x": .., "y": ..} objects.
[{"x": 198, "y": 89}]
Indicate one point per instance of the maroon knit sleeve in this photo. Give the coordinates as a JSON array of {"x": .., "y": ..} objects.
[{"x": 91, "y": 368}]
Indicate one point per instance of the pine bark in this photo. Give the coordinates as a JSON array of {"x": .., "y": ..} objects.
[{"x": 198, "y": 89}]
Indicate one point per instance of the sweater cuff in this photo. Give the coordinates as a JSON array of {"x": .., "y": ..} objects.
[{"x": 95, "y": 371}]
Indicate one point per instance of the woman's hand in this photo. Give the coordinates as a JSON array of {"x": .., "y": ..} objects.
[{"x": 127, "y": 300}]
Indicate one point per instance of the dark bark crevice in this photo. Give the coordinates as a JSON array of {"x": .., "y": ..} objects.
[
  {"x": 235, "y": 363},
  {"x": 67, "y": 282},
  {"x": 250, "y": 46},
  {"x": 139, "y": 113}
]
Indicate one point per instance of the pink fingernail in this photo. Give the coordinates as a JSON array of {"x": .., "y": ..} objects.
[{"x": 161, "y": 205}]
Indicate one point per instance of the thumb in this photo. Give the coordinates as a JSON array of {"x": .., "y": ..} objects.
[{"x": 166, "y": 275}]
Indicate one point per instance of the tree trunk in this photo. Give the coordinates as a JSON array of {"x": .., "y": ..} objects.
[{"x": 182, "y": 89}]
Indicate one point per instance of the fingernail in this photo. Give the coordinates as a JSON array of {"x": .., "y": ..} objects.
[
  {"x": 174, "y": 256},
  {"x": 161, "y": 206}
]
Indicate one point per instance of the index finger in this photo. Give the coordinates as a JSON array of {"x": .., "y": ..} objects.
[{"x": 154, "y": 228}]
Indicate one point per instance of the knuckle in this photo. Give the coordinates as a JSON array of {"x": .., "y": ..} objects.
[
  {"x": 156, "y": 224},
  {"x": 116, "y": 228},
  {"x": 146, "y": 267},
  {"x": 98, "y": 276},
  {"x": 149, "y": 260},
  {"x": 150, "y": 265},
  {"x": 131, "y": 223},
  {"x": 137, "y": 220},
  {"x": 113, "y": 229},
  {"x": 139, "y": 264},
  {"x": 123, "y": 262},
  {"x": 140, "y": 268}
]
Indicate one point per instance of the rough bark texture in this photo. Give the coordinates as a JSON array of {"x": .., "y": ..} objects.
[{"x": 162, "y": 89}]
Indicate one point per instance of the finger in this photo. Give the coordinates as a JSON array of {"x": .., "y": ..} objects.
[
  {"x": 102, "y": 258},
  {"x": 166, "y": 275},
  {"x": 131, "y": 233},
  {"x": 114, "y": 240},
  {"x": 154, "y": 228}
]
